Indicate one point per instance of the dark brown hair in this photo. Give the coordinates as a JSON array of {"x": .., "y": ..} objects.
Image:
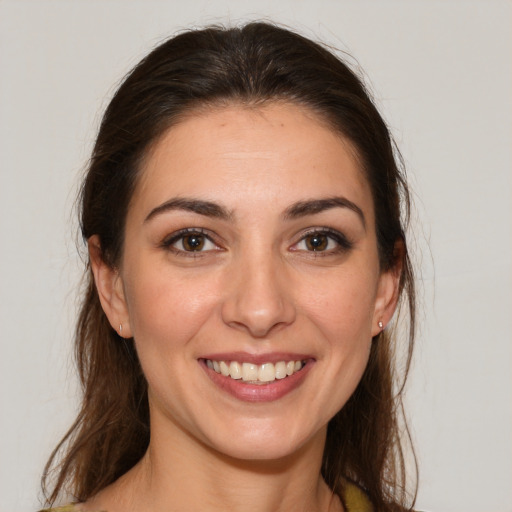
[{"x": 251, "y": 65}]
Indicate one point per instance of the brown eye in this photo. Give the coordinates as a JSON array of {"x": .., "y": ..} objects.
[
  {"x": 317, "y": 242},
  {"x": 189, "y": 240},
  {"x": 326, "y": 241},
  {"x": 193, "y": 242}
]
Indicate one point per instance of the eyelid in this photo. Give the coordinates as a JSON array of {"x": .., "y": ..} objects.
[
  {"x": 168, "y": 242},
  {"x": 342, "y": 241}
]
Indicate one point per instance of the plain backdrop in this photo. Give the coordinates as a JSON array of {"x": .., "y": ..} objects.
[{"x": 441, "y": 72}]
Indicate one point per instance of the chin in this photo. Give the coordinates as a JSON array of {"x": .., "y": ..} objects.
[
  {"x": 262, "y": 452},
  {"x": 267, "y": 442}
]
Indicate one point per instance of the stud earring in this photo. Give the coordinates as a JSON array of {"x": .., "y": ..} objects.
[
  {"x": 381, "y": 325},
  {"x": 120, "y": 329}
]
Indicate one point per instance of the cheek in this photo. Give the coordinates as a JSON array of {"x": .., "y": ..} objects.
[
  {"x": 343, "y": 305},
  {"x": 166, "y": 309},
  {"x": 342, "y": 313}
]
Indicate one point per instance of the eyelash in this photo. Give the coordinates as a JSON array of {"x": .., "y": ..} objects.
[
  {"x": 343, "y": 244},
  {"x": 169, "y": 242}
]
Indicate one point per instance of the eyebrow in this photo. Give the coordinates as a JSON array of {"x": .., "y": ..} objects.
[
  {"x": 206, "y": 208},
  {"x": 313, "y": 206},
  {"x": 295, "y": 211}
]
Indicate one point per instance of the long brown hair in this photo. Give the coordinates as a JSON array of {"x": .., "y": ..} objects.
[{"x": 253, "y": 64}]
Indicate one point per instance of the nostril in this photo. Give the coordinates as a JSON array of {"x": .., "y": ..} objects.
[
  {"x": 257, "y": 297},
  {"x": 258, "y": 321}
]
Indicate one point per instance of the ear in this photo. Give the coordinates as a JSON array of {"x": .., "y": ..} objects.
[
  {"x": 109, "y": 286},
  {"x": 388, "y": 291}
]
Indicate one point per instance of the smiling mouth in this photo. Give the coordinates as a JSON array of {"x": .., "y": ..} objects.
[{"x": 255, "y": 373}]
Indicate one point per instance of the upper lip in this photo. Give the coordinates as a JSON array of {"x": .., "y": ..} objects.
[{"x": 246, "y": 357}]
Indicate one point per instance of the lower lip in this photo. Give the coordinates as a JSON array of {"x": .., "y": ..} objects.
[{"x": 267, "y": 392}]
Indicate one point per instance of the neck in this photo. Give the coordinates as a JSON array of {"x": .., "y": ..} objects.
[{"x": 179, "y": 473}]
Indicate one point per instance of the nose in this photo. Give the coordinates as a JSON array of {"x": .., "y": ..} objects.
[{"x": 259, "y": 297}]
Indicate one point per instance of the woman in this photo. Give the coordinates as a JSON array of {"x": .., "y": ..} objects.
[{"x": 245, "y": 220}]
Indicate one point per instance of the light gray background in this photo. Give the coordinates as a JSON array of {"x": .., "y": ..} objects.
[{"x": 442, "y": 74}]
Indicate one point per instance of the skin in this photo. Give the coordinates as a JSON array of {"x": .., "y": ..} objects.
[{"x": 256, "y": 287}]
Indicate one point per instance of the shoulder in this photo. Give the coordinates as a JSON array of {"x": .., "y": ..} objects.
[
  {"x": 71, "y": 507},
  {"x": 65, "y": 508},
  {"x": 355, "y": 500}
]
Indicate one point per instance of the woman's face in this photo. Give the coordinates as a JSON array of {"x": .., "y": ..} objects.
[{"x": 250, "y": 279}]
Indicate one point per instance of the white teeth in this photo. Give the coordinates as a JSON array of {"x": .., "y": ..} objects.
[
  {"x": 280, "y": 370},
  {"x": 249, "y": 372},
  {"x": 224, "y": 369},
  {"x": 267, "y": 373},
  {"x": 235, "y": 370}
]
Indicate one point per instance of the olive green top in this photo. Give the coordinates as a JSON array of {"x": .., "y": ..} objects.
[{"x": 354, "y": 498}]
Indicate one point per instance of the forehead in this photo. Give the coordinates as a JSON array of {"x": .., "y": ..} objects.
[{"x": 273, "y": 154}]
